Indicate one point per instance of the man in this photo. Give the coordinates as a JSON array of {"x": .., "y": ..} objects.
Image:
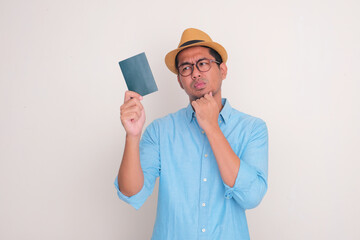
[{"x": 211, "y": 159}]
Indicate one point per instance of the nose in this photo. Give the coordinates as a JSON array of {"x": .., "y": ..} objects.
[{"x": 196, "y": 73}]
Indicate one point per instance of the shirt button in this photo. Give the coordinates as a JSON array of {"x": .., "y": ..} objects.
[
  {"x": 202, "y": 132},
  {"x": 203, "y": 230},
  {"x": 220, "y": 121},
  {"x": 203, "y": 204},
  {"x": 205, "y": 179},
  {"x": 206, "y": 155}
]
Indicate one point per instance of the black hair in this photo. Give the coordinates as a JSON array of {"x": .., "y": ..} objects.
[
  {"x": 216, "y": 55},
  {"x": 212, "y": 52}
]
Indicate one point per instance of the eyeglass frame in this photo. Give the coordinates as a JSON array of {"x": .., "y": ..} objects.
[{"x": 196, "y": 64}]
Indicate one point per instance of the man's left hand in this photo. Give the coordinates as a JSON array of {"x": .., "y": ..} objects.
[{"x": 207, "y": 112}]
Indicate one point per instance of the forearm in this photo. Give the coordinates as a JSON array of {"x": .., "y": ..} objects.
[
  {"x": 131, "y": 177},
  {"x": 228, "y": 162}
]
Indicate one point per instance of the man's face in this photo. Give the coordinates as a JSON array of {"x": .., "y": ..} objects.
[{"x": 197, "y": 84}]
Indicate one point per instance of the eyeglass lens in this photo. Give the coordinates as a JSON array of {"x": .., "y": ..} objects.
[{"x": 203, "y": 65}]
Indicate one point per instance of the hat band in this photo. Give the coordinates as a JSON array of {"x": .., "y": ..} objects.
[{"x": 190, "y": 42}]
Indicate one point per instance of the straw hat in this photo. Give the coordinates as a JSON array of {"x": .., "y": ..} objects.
[{"x": 193, "y": 37}]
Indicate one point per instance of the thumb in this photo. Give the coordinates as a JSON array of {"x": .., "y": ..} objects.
[{"x": 130, "y": 94}]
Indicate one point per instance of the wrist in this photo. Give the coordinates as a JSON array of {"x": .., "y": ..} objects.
[
  {"x": 133, "y": 138},
  {"x": 213, "y": 128}
]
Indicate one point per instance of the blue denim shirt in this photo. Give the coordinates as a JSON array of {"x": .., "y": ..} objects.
[{"x": 193, "y": 200}]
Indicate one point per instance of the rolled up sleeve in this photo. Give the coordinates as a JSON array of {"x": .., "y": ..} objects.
[
  {"x": 251, "y": 182},
  {"x": 136, "y": 200}
]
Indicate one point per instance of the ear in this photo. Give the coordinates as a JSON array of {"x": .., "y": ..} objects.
[
  {"x": 223, "y": 70},
  {"x": 179, "y": 81}
]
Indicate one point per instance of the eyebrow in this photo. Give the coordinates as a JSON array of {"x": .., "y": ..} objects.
[{"x": 185, "y": 63}]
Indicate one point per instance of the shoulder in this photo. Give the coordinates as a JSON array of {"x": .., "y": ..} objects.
[
  {"x": 241, "y": 116},
  {"x": 250, "y": 122}
]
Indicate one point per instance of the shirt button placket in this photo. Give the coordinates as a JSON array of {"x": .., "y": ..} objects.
[
  {"x": 203, "y": 210},
  {"x": 204, "y": 190},
  {"x": 203, "y": 198}
]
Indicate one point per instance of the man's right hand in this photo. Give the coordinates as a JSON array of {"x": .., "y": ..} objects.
[{"x": 132, "y": 114}]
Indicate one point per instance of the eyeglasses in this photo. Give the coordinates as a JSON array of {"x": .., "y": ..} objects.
[{"x": 203, "y": 65}]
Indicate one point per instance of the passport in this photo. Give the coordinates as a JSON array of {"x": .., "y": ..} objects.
[{"x": 137, "y": 74}]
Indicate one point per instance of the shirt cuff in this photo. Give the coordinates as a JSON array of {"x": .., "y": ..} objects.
[
  {"x": 246, "y": 176},
  {"x": 136, "y": 200}
]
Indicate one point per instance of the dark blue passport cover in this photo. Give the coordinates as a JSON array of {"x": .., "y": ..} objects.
[{"x": 138, "y": 75}]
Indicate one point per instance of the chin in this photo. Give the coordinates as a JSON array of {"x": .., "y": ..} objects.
[{"x": 198, "y": 96}]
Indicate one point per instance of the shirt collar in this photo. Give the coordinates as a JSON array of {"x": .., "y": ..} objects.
[
  {"x": 224, "y": 114},
  {"x": 189, "y": 113},
  {"x": 226, "y": 110}
]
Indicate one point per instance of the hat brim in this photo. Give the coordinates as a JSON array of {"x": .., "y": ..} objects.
[{"x": 170, "y": 57}]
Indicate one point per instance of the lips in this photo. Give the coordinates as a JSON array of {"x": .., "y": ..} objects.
[{"x": 200, "y": 85}]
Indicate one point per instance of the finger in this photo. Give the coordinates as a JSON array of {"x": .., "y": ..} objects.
[
  {"x": 195, "y": 104},
  {"x": 202, "y": 100},
  {"x": 198, "y": 102},
  {"x": 130, "y": 103},
  {"x": 208, "y": 96},
  {"x": 130, "y": 116},
  {"x": 135, "y": 109},
  {"x": 130, "y": 94},
  {"x": 133, "y": 102}
]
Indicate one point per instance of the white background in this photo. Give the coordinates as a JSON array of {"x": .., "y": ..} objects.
[{"x": 295, "y": 64}]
